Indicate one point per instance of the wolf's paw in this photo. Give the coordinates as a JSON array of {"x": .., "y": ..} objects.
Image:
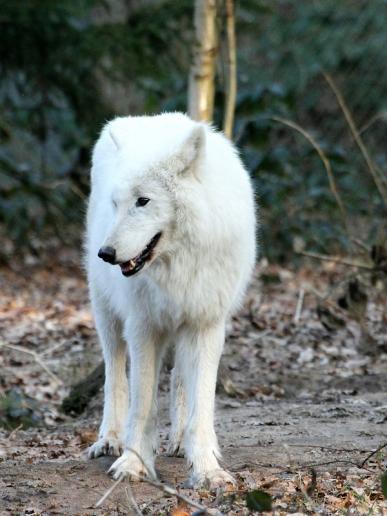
[
  {"x": 106, "y": 446},
  {"x": 175, "y": 449},
  {"x": 211, "y": 480},
  {"x": 132, "y": 467}
]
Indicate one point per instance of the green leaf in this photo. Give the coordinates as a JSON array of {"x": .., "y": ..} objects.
[
  {"x": 258, "y": 500},
  {"x": 384, "y": 484}
]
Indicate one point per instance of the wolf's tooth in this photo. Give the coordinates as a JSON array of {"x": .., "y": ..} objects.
[{"x": 132, "y": 264}]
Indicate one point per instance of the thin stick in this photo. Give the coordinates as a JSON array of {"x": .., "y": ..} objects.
[
  {"x": 231, "y": 69},
  {"x": 36, "y": 357},
  {"x": 289, "y": 455},
  {"x": 373, "y": 453},
  {"x": 169, "y": 490},
  {"x": 307, "y": 491},
  {"x": 379, "y": 116},
  {"x": 325, "y": 161},
  {"x": 48, "y": 351},
  {"x": 357, "y": 136},
  {"x": 300, "y": 302},
  {"x": 281, "y": 469},
  {"x": 109, "y": 491},
  {"x": 172, "y": 491},
  {"x": 362, "y": 245},
  {"x": 335, "y": 259},
  {"x": 14, "y": 431},
  {"x": 132, "y": 501}
]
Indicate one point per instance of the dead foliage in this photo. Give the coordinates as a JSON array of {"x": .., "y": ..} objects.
[{"x": 301, "y": 403}]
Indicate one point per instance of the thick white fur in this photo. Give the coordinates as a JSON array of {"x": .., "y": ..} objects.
[{"x": 201, "y": 199}]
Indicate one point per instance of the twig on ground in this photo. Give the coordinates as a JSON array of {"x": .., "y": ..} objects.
[
  {"x": 357, "y": 137},
  {"x": 300, "y": 302},
  {"x": 381, "y": 447},
  {"x": 36, "y": 357},
  {"x": 313, "y": 482},
  {"x": 362, "y": 245},
  {"x": 337, "y": 461},
  {"x": 145, "y": 506},
  {"x": 289, "y": 455},
  {"x": 327, "y": 448},
  {"x": 48, "y": 351},
  {"x": 281, "y": 469},
  {"x": 14, "y": 431},
  {"x": 302, "y": 487},
  {"x": 169, "y": 490},
  {"x": 336, "y": 259},
  {"x": 326, "y": 297},
  {"x": 325, "y": 162},
  {"x": 307, "y": 491},
  {"x": 109, "y": 491},
  {"x": 97, "y": 491},
  {"x": 131, "y": 500}
]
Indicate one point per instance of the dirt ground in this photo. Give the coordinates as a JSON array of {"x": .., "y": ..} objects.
[{"x": 302, "y": 399}]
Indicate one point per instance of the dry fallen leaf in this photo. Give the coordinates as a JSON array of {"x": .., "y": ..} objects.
[{"x": 181, "y": 510}]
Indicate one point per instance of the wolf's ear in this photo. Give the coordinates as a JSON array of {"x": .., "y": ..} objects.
[
  {"x": 191, "y": 149},
  {"x": 194, "y": 144},
  {"x": 115, "y": 139}
]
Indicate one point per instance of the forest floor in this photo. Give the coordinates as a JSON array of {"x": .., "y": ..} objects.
[{"x": 302, "y": 399}]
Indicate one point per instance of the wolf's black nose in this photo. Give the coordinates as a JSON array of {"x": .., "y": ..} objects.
[{"x": 108, "y": 254}]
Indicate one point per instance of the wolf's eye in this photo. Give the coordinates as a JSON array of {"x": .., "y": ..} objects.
[{"x": 142, "y": 201}]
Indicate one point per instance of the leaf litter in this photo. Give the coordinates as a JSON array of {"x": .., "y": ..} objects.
[{"x": 302, "y": 398}]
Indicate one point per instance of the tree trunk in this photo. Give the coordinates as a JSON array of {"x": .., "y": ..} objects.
[
  {"x": 201, "y": 89},
  {"x": 84, "y": 391},
  {"x": 231, "y": 70}
]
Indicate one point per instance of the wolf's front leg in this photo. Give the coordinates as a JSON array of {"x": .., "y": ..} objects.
[
  {"x": 146, "y": 351},
  {"x": 116, "y": 400},
  {"x": 200, "y": 350},
  {"x": 177, "y": 410}
]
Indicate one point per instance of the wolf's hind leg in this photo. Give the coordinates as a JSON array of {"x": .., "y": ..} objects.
[
  {"x": 178, "y": 410},
  {"x": 116, "y": 400},
  {"x": 200, "y": 350}
]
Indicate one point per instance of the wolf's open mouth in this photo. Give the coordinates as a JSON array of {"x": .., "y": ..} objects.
[{"x": 136, "y": 264}]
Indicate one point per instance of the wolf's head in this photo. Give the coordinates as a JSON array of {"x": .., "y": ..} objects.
[{"x": 149, "y": 163}]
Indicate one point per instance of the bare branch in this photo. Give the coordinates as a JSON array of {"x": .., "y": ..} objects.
[
  {"x": 381, "y": 447},
  {"x": 300, "y": 302},
  {"x": 168, "y": 490},
  {"x": 335, "y": 259},
  {"x": 36, "y": 357},
  {"x": 131, "y": 500},
  {"x": 379, "y": 116},
  {"x": 325, "y": 161},
  {"x": 357, "y": 137},
  {"x": 109, "y": 491}
]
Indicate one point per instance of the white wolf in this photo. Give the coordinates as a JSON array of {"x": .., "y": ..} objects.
[{"x": 172, "y": 208}]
